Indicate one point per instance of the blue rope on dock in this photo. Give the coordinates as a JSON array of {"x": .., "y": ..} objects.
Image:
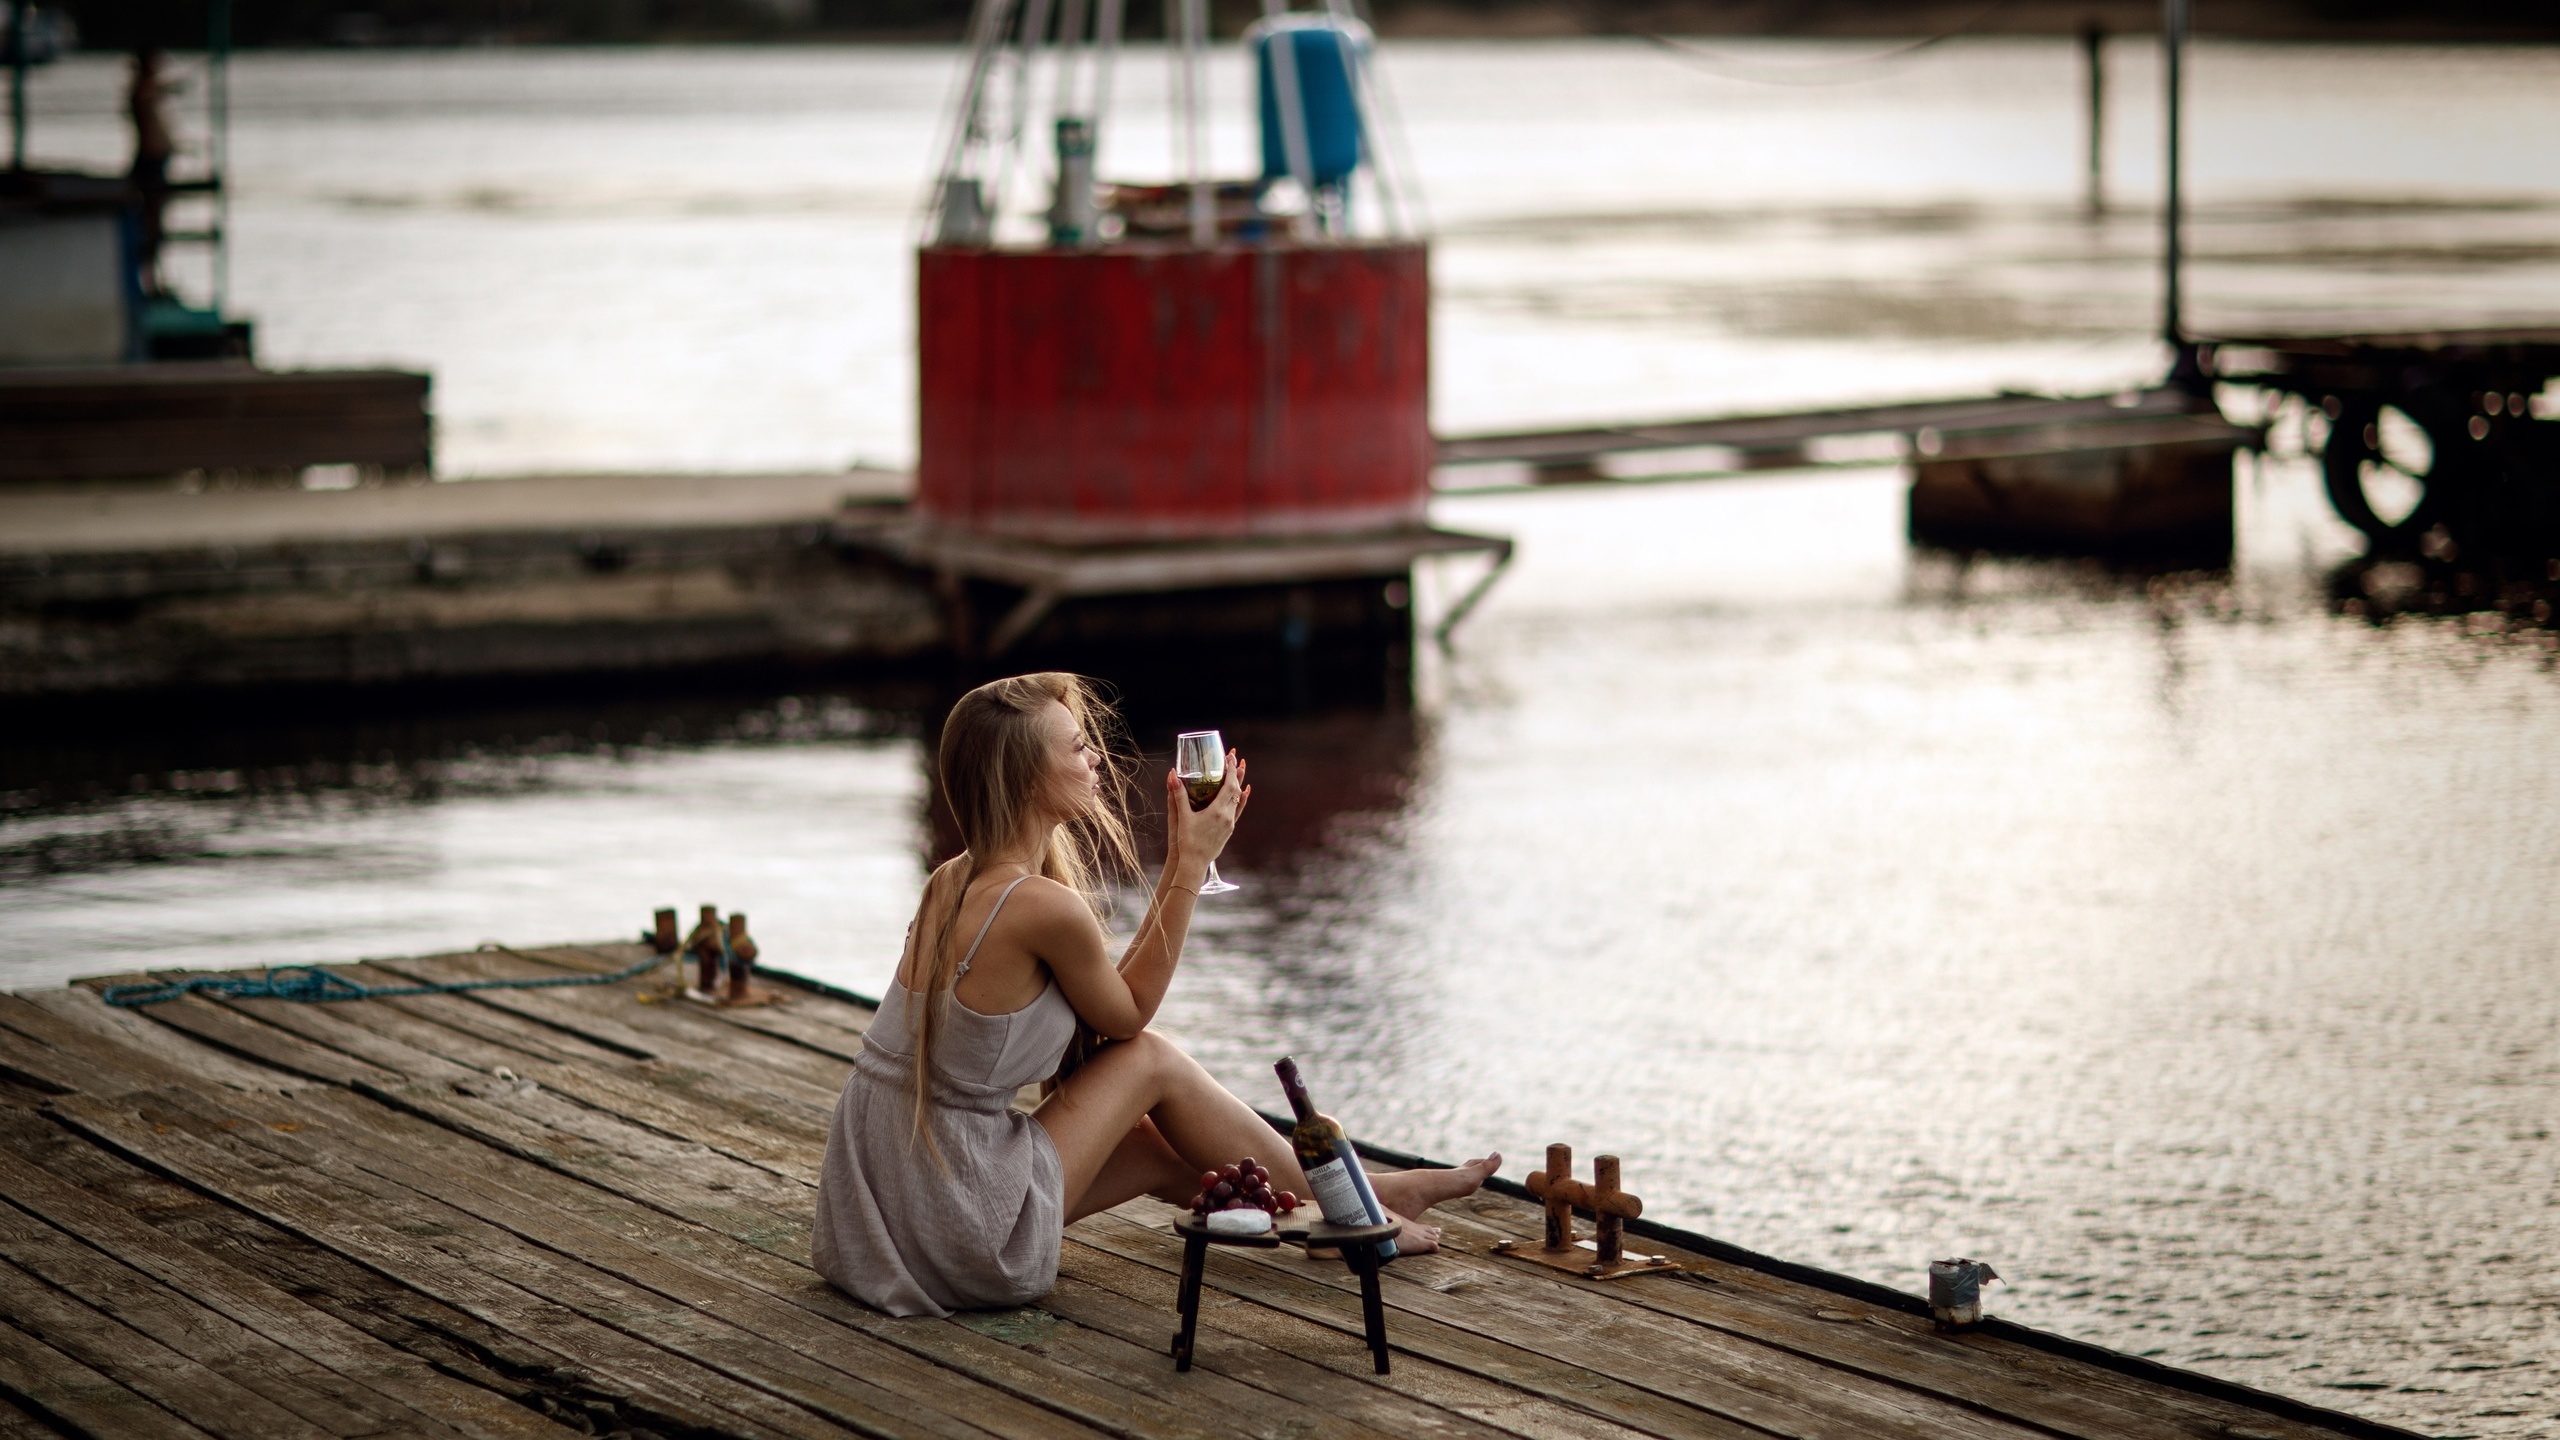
[{"x": 312, "y": 985}]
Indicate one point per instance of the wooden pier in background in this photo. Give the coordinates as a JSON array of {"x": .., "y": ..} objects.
[{"x": 577, "y": 1212}]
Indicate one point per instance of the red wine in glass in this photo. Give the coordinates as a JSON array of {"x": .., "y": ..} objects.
[{"x": 1200, "y": 758}]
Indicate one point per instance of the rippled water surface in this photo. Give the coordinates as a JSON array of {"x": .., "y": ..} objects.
[{"x": 2182, "y": 944}]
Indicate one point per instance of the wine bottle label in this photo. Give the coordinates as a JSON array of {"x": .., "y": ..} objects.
[
  {"x": 1337, "y": 1195},
  {"x": 1370, "y": 1208}
]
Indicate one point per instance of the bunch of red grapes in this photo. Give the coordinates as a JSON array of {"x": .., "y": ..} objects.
[{"x": 1241, "y": 1186}]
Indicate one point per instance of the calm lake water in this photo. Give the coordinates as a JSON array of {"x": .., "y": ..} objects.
[{"x": 2180, "y": 944}]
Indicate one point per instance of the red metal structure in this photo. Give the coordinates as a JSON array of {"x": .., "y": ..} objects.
[{"x": 1154, "y": 391}]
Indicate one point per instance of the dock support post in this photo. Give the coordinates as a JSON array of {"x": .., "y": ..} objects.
[
  {"x": 2186, "y": 370},
  {"x": 1475, "y": 594},
  {"x": 2093, "y": 55}
]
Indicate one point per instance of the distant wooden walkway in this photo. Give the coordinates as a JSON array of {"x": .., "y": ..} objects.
[{"x": 565, "y": 1212}]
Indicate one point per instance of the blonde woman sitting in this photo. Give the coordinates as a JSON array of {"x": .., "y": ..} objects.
[{"x": 936, "y": 1193}]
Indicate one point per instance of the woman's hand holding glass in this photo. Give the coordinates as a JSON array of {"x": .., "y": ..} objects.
[{"x": 1195, "y": 838}]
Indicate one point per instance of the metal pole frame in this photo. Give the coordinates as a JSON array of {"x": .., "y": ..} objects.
[
  {"x": 1034, "y": 34},
  {"x": 1072, "y": 23},
  {"x": 1204, "y": 215},
  {"x": 1388, "y": 167},
  {"x": 963, "y": 129},
  {"x": 1106, "y": 44},
  {"x": 1292, "y": 105}
]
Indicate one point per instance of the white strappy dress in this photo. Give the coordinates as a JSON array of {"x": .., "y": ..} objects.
[{"x": 904, "y": 1234}]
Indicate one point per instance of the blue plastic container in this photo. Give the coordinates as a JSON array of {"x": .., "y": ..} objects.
[{"x": 1327, "y": 51}]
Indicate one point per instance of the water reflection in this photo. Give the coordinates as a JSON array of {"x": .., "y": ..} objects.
[
  {"x": 277, "y": 835},
  {"x": 2502, "y": 597},
  {"x": 270, "y": 834}
]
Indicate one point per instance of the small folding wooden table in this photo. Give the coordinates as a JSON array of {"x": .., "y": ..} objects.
[{"x": 1358, "y": 1244}]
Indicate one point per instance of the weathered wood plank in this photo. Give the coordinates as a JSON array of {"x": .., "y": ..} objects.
[
  {"x": 1752, "y": 1383},
  {"x": 205, "y": 1338},
  {"x": 518, "y": 1116},
  {"x": 18, "y": 1423},
  {"x": 522, "y": 1119},
  {"x": 543, "y": 1007},
  {"x": 78, "y": 1398},
  {"x": 78, "y": 1008},
  {"x": 462, "y": 1064},
  {"x": 820, "y": 1022},
  {"x": 620, "y": 1239},
  {"x": 208, "y": 1398},
  {"x": 1253, "y": 1366},
  {"x": 465, "y": 1264},
  {"x": 590, "y": 1269},
  {"x": 1205, "y": 1394},
  {"x": 115, "y": 1050},
  {"x": 2030, "y": 1386},
  {"x": 476, "y": 1355},
  {"x": 537, "y": 1203},
  {"x": 1340, "y": 1355},
  {"x": 53, "y": 1070},
  {"x": 234, "y": 1033},
  {"x": 260, "y": 1307},
  {"x": 606, "y": 1015},
  {"x": 483, "y": 1037},
  {"x": 1310, "y": 1298},
  {"x": 1125, "y": 1364},
  {"x": 676, "y": 1030}
]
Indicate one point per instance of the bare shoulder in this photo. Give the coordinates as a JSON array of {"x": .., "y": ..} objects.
[
  {"x": 1043, "y": 901},
  {"x": 1053, "y": 921}
]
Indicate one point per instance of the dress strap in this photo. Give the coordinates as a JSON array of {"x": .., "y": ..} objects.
[{"x": 983, "y": 929}]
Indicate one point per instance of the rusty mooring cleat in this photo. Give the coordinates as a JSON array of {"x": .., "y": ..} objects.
[
  {"x": 1604, "y": 1257},
  {"x": 742, "y": 961},
  {"x": 1955, "y": 1292},
  {"x": 705, "y": 945}
]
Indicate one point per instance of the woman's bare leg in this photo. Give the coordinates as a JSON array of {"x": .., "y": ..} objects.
[
  {"x": 1093, "y": 1120},
  {"x": 1410, "y": 1192},
  {"x": 1141, "y": 1164},
  {"x": 1197, "y": 1124}
]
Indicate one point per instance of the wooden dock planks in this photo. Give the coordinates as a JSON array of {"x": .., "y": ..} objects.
[{"x": 566, "y": 1211}]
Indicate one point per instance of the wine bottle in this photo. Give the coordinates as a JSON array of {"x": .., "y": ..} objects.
[{"x": 1342, "y": 1189}]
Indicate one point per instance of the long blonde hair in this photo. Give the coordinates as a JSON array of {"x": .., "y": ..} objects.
[{"x": 992, "y": 761}]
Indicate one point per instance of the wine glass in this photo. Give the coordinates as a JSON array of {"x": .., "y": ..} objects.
[{"x": 1200, "y": 758}]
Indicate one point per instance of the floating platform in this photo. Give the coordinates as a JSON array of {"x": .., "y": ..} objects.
[
  {"x": 116, "y": 591},
  {"x": 577, "y": 1211},
  {"x": 106, "y": 592},
  {"x": 112, "y": 422},
  {"x": 113, "y": 591}
]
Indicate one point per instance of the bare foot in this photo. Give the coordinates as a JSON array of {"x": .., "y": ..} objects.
[
  {"x": 1415, "y": 1238},
  {"x": 1410, "y": 1192}
]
